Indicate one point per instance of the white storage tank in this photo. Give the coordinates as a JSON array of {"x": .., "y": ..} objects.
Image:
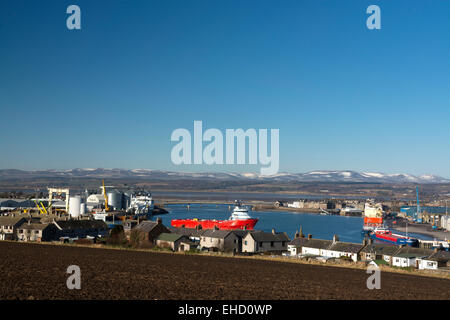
[
  {"x": 74, "y": 206},
  {"x": 83, "y": 209}
]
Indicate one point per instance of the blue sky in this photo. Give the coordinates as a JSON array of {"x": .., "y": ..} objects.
[{"x": 110, "y": 95}]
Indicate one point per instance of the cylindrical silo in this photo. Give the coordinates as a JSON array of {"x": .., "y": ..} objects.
[
  {"x": 115, "y": 200},
  {"x": 74, "y": 206},
  {"x": 83, "y": 209},
  {"x": 126, "y": 199}
]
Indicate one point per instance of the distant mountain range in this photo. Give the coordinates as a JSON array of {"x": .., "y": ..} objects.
[{"x": 318, "y": 176}]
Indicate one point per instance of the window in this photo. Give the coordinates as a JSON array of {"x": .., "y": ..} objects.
[
  {"x": 271, "y": 243},
  {"x": 245, "y": 242}
]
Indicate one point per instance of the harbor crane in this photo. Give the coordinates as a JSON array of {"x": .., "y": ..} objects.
[
  {"x": 105, "y": 196},
  {"x": 418, "y": 215}
]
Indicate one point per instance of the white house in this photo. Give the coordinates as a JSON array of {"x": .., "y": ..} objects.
[
  {"x": 316, "y": 247},
  {"x": 404, "y": 260},
  {"x": 408, "y": 256},
  {"x": 295, "y": 246},
  {"x": 339, "y": 249},
  {"x": 426, "y": 263},
  {"x": 438, "y": 259}
]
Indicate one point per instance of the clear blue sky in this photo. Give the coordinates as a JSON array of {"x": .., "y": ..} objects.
[{"x": 110, "y": 95}]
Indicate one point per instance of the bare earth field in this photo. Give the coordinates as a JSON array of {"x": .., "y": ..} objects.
[{"x": 33, "y": 271}]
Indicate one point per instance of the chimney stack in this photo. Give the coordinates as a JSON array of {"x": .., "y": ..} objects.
[
  {"x": 159, "y": 220},
  {"x": 335, "y": 238},
  {"x": 309, "y": 236},
  {"x": 273, "y": 231}
]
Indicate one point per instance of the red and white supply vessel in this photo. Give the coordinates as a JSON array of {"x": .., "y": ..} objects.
[
  {"x": 239, "y": 220},
  {"x": 373, "y": 216}
]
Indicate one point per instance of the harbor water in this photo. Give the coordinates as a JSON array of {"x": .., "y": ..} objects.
[{"x": 320, "y": 226}]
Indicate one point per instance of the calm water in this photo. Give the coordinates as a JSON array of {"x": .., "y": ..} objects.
[{"x": 321, "y": 227}]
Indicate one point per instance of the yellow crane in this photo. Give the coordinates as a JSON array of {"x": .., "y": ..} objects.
[
  {"x": 105, "y": 196},
  {"x": 41, "y": 207}
]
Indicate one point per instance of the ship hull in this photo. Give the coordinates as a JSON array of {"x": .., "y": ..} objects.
[
  {"x": 394, "y": 239},
  {"x": 244, "y": 224}
]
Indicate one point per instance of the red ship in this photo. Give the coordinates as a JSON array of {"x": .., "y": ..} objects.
[
  {"x": 384, "y": 234},
  {"x": 239, "y": 220}
]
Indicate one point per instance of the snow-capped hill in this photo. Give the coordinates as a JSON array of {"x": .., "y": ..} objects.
[{"x": 161, "y": 175}]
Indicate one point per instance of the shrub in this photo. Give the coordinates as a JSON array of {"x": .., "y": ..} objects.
[
  {"x": 345, "y": 258},
  {"x": 116, "y": 236}
]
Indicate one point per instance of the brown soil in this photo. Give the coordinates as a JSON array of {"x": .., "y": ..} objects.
[{"x": 33, "y": 271}]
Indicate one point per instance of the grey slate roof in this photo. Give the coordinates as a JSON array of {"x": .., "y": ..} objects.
[
  {"x": 413, "y": 252},
  {"x": 171, "y": 237},
  {"x": 222, "y": 234},
  {"x": 34, "y": 226},
  {"x": 298, "y": 242},
  {"x": 187, "y": 231},
  {"x": 145, "y": 226},
  {"x": 81, "y": 224},
  {"x": 261, "y": 236},
  {"x": 380, "y": 249},
  {"x": 9, "y": 221},
  {"x": 346, "y": 247},
  {"x": 318, "y": 243},
  {"x": 439, "y": 256},
  {"x": 242, "y": 233}
]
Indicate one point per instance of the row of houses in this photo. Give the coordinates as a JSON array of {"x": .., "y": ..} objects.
[
  {"x": 154, "y": 233},
  {"x": 253, "y": 241},
  {"x": 392, "y": 255},
  {"x": 182, "y": 239},
  {"x": 31, "y": 229}
]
